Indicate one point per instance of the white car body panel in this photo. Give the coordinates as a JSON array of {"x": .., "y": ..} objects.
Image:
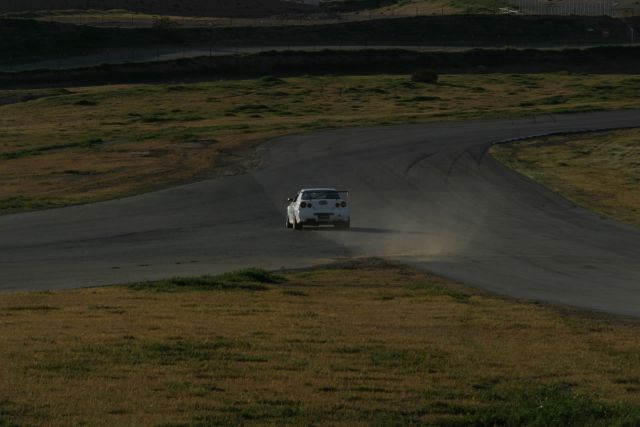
[{"x": 319, "y": 206}]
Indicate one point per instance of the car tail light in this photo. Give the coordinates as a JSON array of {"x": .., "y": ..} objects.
[
  {"x": 309, "y": 205},
  {"x": 343, "y": 204},
  {"x": 303, "y": 204},
  {"x": 337, "y": 205}
]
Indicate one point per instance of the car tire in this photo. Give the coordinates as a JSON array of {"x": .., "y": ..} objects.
[
  {"x": 288, "y": 223},
  {"x": 297, "y": 225}
]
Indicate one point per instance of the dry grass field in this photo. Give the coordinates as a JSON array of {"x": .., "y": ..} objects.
[
  {"x": 224, "y": 15},
  {"x": 599, "y": 171},
  {"x": 418, "y": 7},
  {"x": 125, "y": 19},
  {"x": 440, "y": 7},
  {"x": 68, "y": 146},
  {"x": 361, "y": 343},
  {"x": 234, "y": 8}
]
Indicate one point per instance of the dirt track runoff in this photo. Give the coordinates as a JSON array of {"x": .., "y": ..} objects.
[{"x": 425, "y": 194}]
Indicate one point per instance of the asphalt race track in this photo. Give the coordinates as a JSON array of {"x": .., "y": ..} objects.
[{"x": 425, "y": 194}]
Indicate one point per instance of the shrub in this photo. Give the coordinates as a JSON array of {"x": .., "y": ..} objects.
[
  {"x": 86, "y": 103},
  {"x": 164, "y": 23},
  {"x": 270, "y": 81},
  {"x": 425, "y": 76}
]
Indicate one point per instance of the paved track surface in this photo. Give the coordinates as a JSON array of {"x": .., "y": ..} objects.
[{"x": 426, "y": 194}]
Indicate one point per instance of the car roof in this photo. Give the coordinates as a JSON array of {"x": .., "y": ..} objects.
[{"x": 318, "y": 189}]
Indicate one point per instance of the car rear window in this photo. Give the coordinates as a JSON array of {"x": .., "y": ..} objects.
[{"x": 318, "y": 195}]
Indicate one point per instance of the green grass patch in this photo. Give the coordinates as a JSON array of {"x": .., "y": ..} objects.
[
  {"x": 404, "y": 360},
  {"x": 169, "y": 352},
  {"x": 251, "y": 279},
  {"x": 10, "y": 411},
  {"x": 431, "y": 289},
  {"x": 479, "y": 6},
  {"x": 251, "y": 109},
  {"x": 86, "y": 360},
  {"x": 70, "y": 368},
  {"x": 549, "y": 406},
  {"x": 31, "y": 308},
  {"x": 86, "y": 143},
  {"x": 423, "y": 98},
  {"x": 20, "y": 203}
]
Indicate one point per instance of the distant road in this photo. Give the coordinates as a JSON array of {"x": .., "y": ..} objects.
[
  {"x": 426, "y": 194},
  {"x": 168, "y": 53}
]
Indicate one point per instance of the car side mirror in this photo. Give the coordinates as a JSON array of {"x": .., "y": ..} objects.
[{"x": 290, "y": 199}]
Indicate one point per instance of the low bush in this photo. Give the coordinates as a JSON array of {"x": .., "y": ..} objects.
[
  {"x": 270, "y": 81},
  {"x": 425, "y": 76}
]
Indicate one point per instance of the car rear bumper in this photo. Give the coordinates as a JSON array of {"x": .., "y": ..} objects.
[
  {"x": 323, "y": 219},
  {"x": 316, "y": 223}
]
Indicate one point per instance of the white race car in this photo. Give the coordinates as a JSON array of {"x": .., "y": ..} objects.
[{"x": 318, "y": 206}]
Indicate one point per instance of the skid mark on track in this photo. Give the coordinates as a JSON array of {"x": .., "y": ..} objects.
[{"x": 418, "y": 160}]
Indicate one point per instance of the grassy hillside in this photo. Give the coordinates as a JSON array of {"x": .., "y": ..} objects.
[
  {"x": 362, "y": 343},
  {"x": 417, "y": 6},
  {"x": 331, "y": 12},
  {"x": 253, "y": 8},
  {"x": 232, "y": 8},
  {"x": 66, "y": 146}
]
